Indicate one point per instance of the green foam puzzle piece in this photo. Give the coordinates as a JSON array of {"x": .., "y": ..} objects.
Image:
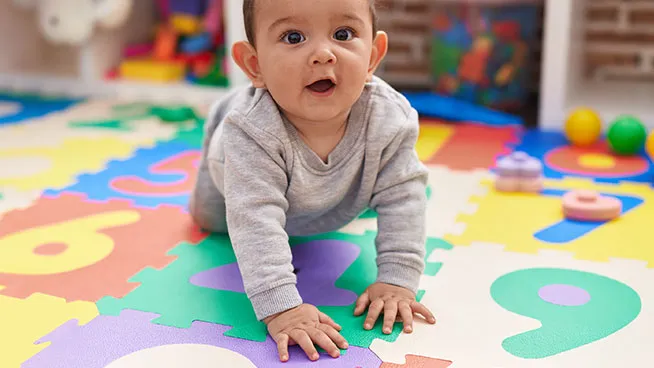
[
  {"x": 432, "y": 268},
  {"x": 193, "y": 136},
  {"x": 591, "y": 307},
  {"x": 169, "y": 293},
  {"x": 112, "y": 124}
]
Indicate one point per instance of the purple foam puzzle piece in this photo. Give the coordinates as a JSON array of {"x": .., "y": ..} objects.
[
  {"x": 519, "y": 164},
  {"x": 108, "y": 338},
  {"x": 318, "y": 263}
]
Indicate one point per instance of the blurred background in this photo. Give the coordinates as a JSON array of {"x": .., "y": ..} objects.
[{"x": 537, "y": 59}]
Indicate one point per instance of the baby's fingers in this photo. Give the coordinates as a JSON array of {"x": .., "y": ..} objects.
[
  {"x": 322, "y": 339},
  {"x": 304, "y": 341},
  {"x": 324, "y": 318},
  {"x": 282, "y": 347},
  {"x": 424, "y": 311},
  {"x": 362, "y": 303},
  {"x": 407, "y": 316},
  {"x": 390, "y": 313},
  {"x": 334, "y": 335},
  {"x": 373, "y": 313}
]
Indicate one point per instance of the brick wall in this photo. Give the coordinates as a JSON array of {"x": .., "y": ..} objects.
[
  {"x": 619, "y": 40},
  {"x": 407, "y": 23}
]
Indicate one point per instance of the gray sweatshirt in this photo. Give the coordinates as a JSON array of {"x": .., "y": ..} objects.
[{"x": 260, "y": 180}]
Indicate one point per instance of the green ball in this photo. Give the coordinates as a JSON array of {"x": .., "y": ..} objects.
[{"x": 627, "y": 135}]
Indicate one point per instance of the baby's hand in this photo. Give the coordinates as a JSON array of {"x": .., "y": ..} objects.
[
  {"x": 305, "y": 325},
  {"x": 390, "y": 299}
]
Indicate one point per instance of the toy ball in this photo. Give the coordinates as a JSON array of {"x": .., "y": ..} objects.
[
  {"x": 626, "y": 135},
  {"x": 583, "y": 127},
  {"x": 649, "y": 145}
]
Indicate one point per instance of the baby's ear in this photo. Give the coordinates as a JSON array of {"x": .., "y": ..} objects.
[
  {"x": 379, "y": 49},
  {"x": 26, "y": 4},
  {"x": 246, "y": 58},
  {"x": 111, "y": 13}
]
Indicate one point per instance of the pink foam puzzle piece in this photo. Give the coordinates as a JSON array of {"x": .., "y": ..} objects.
[{"x": 108, "y": 338}]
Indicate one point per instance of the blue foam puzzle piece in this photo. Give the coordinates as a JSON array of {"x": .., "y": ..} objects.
[
  {"x": 98, "y": 186},
  {"x": 540, "y": 143},
  {"x": 449, "y": 108},
  {"x": 33, "y": 106},
  {"x": 197, "y": 44},
  {"x": 566, "y": 230}
]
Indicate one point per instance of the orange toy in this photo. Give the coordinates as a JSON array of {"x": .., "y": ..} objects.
[{"x": 588, "y": 205}]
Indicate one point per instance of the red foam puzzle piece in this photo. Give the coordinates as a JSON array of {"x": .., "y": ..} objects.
[
  {"x": 416, "y": 361},
  {"x": 474, "y": 146},
  {"x": 76, "y": 249}
]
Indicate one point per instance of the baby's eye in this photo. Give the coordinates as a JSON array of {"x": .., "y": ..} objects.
[
  {"x": 293, "y": 37},
  {"x": 344, "y": 34}
]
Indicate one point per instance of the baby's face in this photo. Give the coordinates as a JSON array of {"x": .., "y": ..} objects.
[{"x": 314, "y": 55}]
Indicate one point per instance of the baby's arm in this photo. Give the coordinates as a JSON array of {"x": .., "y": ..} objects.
[
  {"x": 400, "y": 199},
  {"x": 255, "y": 185}
]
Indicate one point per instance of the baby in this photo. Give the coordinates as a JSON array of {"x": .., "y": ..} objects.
[{"x": 311, "y": 144}]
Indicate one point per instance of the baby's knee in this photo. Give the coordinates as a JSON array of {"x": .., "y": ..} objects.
[{"x": 210, "y": 220}]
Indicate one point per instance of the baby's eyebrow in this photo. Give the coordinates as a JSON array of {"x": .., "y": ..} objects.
[
  {"x": 350, "y": 16},
  {"x": 279, "y": 22}
]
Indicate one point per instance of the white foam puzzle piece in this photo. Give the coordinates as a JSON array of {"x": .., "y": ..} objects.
[
  {"x": 450, "y": 196},
  {"x": 11, "y": 199},
  {"x": 52, "y": 129},
  {"x": 480, "y": 290},
  {"x": 179, "y": 356}
]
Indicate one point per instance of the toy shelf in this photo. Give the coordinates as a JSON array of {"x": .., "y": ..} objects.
[
  {"x": 28, "y": 63},
  {"x": 598, "y": 54}
]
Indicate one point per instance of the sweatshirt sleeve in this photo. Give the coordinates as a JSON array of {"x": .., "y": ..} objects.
[
  {"x": 255, "y": 186},
  {"x": 400, "y": 199}
]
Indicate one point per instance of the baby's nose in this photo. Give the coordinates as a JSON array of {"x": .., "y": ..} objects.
[{"x": 323, "y": 56}]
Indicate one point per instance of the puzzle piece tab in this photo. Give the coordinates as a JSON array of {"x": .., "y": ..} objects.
[
  {"x": 23, "y": 321},
  {"x": 45, "y": 248},
  {"x": 164, "y": 174},
  {"x": 532, "y": 310},
  {"x": 131, "y": 334}
]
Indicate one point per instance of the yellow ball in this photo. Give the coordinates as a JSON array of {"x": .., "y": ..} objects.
[
  {"x": 583, "y": 127},
  {"x": 649, "y": 145}
]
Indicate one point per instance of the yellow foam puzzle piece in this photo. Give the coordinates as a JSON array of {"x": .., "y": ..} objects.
[
  {"x": 24, "y": 321},
  {"x": 431, "y": 138},
  {"x": 38, "y": 168},
  {"x": 512, "y": 219}
]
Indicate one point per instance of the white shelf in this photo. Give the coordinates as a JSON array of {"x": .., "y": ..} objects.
[
  {"x": 563, "y": 88},
  {"x": 30, "y": 64}
]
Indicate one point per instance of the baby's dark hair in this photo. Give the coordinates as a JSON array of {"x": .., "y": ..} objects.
[{"x": 248, "y": 18}]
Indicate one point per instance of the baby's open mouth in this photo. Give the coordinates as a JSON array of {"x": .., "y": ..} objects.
[{"x": 321, "y": 86}]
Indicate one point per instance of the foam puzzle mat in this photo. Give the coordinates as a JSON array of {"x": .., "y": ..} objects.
[{"x": 101, "y": 265}]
